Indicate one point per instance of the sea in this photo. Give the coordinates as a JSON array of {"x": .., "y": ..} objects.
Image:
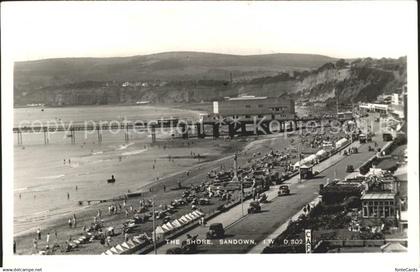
[{"x": 46, "y": 174}]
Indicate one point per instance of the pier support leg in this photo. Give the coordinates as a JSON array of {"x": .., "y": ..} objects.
[
  {"x": 243, "y": 129},
  {"x": 99, "y": 130},
  {"x": 200, "y": 130},
  {"x": 126, "y": 135},
  {"x": 73, "y": 135},
  {"x": 216, "y": 133},
  {"x": 231, "y": 130},
  {"x": 153, "y": 132},
  {"x": 184, "y": 129},
  {"x": 19, "y": 137},
  {"x": 46, "y": 140}
]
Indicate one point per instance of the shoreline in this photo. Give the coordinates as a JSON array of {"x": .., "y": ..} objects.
[{"x": 200, "y": 170}]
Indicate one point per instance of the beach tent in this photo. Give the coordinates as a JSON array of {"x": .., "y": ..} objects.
[
  {"x": 165, "y": 228},
  {"x": 197, "y": 213},
  {"x": 321, "y": 154},
  {"x": 125, "y": 245},
  {"x": 190, "y": 218},
  {"x": 109, "y": 252},
  {"x": 114, "y": 250},
  {"x": 185, "y": 219},
  {"x": 341, "y": 142},
  {"x": 120, "y": 248},
  {"x": 194, "y": 216},
  {"x": 311, "y": 159},
  {"x": 136, "y": 240},
  {"x": 103, "y": 253},
  {"x": 169, "y": 226},
  {"x": 73, "y": 245},
  {"x": 301, "y": 163},
  {"x": 159, "y": 232},
  {"x": 176, "y": 223},
  {"x": 131, "y": 244}
]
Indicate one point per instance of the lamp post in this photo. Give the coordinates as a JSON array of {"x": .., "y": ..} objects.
[
  {"x": 154, "y": 227},
  {"x": 236, "y": 179}
]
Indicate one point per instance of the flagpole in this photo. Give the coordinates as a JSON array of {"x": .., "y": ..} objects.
[{"x": 299, "y": 159}]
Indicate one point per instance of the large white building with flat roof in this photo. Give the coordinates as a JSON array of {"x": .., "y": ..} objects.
[{"x": 248, "y": 107}]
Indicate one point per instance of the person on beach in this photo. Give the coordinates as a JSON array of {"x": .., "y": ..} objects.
[
  {"x": 108, "y": 241},
  {"x": 76, "y": 188},
  {"x": 70, "y": 223},
  {"x": 48, "y": 239},
  {"x": 35, "y": 242},
  {"x": 56, "y": 235},
  {"x": 38, "y": 233},
  {"x": 164, "y": 188},
  {"x": 68, "y": 195},
  {"x": 20, "y": 196}
]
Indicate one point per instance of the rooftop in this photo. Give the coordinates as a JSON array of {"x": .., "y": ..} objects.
[
  {"x": 247, "y": 97},
  {"x": 368, "y": 196}
]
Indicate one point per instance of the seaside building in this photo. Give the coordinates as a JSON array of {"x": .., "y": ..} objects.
[
  {"x": 371, "y": 107},
  {"x": 249, "y": 107},
  {"x": 378, "y": 205}
]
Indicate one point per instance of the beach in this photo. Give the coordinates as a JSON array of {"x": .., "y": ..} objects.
[{"x": 51, "y": 180}]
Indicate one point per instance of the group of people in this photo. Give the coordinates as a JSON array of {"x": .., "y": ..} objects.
[
  {"x": 38, "y": 238},
  {"x": 72, "y": 222}
]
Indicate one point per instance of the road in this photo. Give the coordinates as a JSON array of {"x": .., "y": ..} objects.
[{"x": 252, "y": 229}]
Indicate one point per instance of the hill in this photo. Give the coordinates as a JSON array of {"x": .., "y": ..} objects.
[
  {"x": 194, "y": 77},
  {"x": 32, "y": 75}
]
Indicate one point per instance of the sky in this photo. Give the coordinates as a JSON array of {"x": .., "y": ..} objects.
[{"x": 106, "y": 29}]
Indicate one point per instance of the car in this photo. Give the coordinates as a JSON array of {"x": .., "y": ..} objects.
[
  {"x": 174, "y": 250},
  {"x": 254, "y": 207},
  {"x": 283, "y": 190},
  {"x": 216, "y": 230},
  {"x": 349, "y": 168}
]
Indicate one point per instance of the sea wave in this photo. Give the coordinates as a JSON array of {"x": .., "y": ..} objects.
[
  {"x": 134, "y": 152},
  {"x": 52, "y": 177},
  {"x": 124, "y": 146}
]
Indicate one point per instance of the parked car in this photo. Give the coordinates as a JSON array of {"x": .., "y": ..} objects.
[
  {"x": 283, "y": 190},
  {"x": 216, "y": 230},
  {"x": 349, "y": 168},
  {"x": 254, "y": 207}
]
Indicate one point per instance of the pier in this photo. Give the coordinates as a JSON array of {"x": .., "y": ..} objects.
[{"x": 186, "y": 129}]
